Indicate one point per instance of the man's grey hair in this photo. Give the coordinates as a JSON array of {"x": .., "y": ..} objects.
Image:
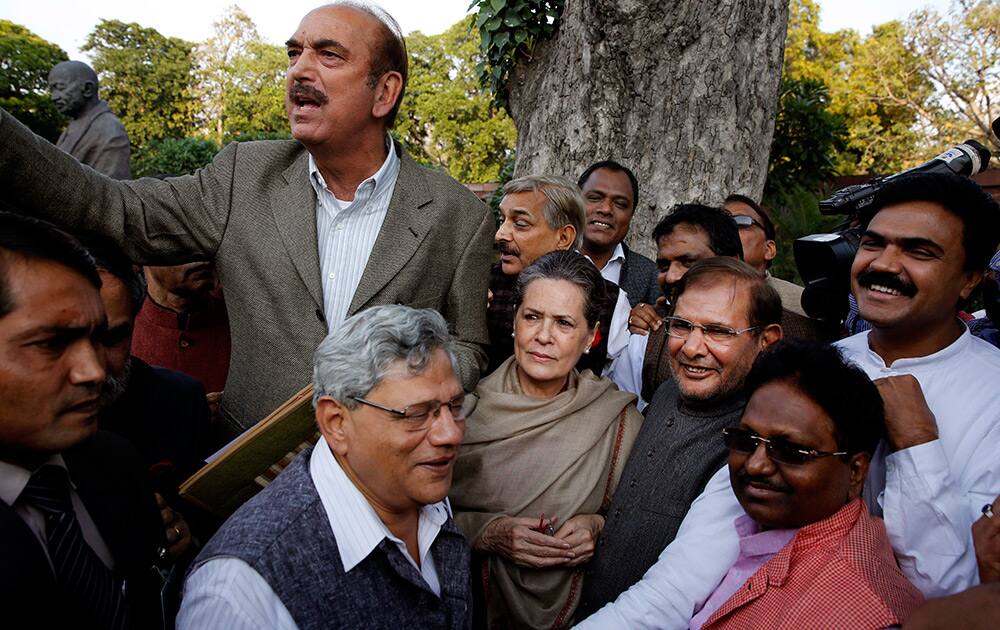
[
  {"x": 355, "y": 358},
  {"x": 563, "y": 201}
]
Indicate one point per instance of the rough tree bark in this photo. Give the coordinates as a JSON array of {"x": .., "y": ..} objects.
[{"x": 684, "y": 92}]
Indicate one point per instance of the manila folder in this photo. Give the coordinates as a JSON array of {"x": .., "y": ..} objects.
[{"x": 246, "y": 465}]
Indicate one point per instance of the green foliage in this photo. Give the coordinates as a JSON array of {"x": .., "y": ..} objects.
[
  {"x": 508, "y": 29},
  {"x": 255, "y": 103},
  {"x": 25, "y": 61},
  {"x": 806, "y": 136},
  {"x": 146, "y": 79},
  {"x": 962, "y": 59},
  {"x": 795, "y": 212},
  {"x": 173, "y": 156},
  {"x": 869, "y": 81},
  {"x": 240, "y": 80},
  {"x": 446, "y": 119}
]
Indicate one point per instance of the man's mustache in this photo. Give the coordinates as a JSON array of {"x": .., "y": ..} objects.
[
  {"x": 301, "y": 91},
  {"x": 505, "y": 248},
  {"x": 744, "y": 478},
  {"x": 889, "y": 280}
]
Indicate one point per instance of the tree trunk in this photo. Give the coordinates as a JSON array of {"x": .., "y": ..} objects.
[{"x": 683, "y": 92}]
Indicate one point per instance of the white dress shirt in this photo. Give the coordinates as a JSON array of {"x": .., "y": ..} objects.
[
  {"x": 626, "y": 369},
  {"x": 613, "y": 268},
  {"x": 13, "y": 480},
  {"x": 346, "y": 232},
  {"x": 228, "y": 593},
  {"x": 929, "y": 494}
]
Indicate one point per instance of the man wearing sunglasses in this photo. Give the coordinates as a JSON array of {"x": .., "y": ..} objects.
[
  {"x": 724, "y": 315},
  {"x": 927, "y": 238},
  {"x": 758, "y": 236},
  {"x": 802, "y": 550},
  {"x": 357, "y": 531}
]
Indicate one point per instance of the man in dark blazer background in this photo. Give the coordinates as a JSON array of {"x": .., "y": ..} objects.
[
  {"x": 78, "y": 528},
  {"x": 255, "y": 212},
  {"x": 611, "y": 192}
]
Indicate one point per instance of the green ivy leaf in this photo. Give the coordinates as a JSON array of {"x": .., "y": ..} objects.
[
  {"x": 493, "y": 24},
  {"x": 498, "y": 4},
  {"x": 520, "y": 36},
  {"x": 512, "y": 21},
  {"x": 484, "y": 15},
  {"x": 501, "y": 39}
]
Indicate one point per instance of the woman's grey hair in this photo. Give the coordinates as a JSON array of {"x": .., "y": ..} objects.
[
  {"x": 564, "y": 203},
  {"x": 573, "y": 268},
  {"x": 355, "y": 358}
]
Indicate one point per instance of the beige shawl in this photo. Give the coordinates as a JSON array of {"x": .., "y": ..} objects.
[{"x": 524, "y": 456}]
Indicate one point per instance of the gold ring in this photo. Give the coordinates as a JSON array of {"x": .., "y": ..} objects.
[{"x": 177, "y": 531}]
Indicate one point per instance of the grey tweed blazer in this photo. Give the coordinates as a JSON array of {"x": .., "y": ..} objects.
[{"x": 253, "y": 211}]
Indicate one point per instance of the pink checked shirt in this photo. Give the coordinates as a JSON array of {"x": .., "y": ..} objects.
[{"x": 836, "y": 573}]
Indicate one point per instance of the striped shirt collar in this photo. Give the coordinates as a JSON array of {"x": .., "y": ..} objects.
[
  {"x": 356, "y": 526},
  {"x": 371, "y": 188}
]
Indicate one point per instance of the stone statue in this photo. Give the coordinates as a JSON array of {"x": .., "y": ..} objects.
[{"x": 94, "y": 136}]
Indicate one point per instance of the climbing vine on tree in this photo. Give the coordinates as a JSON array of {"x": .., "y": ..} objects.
[{"x": 508, "y": 29}]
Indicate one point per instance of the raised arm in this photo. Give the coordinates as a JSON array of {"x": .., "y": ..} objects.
[{"x": 154, "y": 221}]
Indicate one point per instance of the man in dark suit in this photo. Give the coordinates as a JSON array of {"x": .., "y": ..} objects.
[
  {"x": 610, "y": 192},
  {"x": 78, "y": 528},
  {"x": 303, "y": 233}
]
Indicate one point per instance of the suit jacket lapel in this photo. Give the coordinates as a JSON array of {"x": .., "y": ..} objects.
[
  {"x": 404, "y": 228},
  {"x": 294, "y": 207}
]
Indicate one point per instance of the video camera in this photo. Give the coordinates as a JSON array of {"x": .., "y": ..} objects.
[{"x": 824, "y": 260}]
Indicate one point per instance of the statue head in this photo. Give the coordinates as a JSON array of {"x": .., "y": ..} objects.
[{"x": 72, "y": 85}]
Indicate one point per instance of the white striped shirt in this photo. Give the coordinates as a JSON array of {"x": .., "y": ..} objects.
[
  {"x": 346, "y": 232},
  {"x": 228, "y": 593}
]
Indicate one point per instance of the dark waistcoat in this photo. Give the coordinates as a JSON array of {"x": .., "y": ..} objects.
[
  {"x": 285, "y": 535},
  {"x": 677, "y": 451}
]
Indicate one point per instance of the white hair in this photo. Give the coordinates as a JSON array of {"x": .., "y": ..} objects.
[{"x": 352, "y": 360}]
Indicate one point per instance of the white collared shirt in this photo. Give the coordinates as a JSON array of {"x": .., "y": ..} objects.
[
  {"x": 346, "y": 232},
  {"x": 13, "y": 480},
  {"x": 228, "y": 593},
  {"x": 929, "y": 494},
  {"x": 613, "y": 269}
]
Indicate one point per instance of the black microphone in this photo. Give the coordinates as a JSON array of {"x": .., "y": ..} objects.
[{"x": 967, "y": 159}]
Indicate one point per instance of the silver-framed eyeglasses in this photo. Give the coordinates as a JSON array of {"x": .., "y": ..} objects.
[
  {"x": 420, "y": 415},
  {"x": 778, "y": 449},
  {"x": 681, "y": 329}
]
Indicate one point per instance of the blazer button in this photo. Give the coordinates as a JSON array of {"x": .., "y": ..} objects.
[{"x": 632, "y": 483}]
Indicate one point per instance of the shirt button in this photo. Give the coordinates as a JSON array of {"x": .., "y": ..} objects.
[
  {"x": 330, "y": 276},
  {"x": 670, "y": 422},
  {"x": 650, "y": 454},
  {"x": 185, "y": 343}
]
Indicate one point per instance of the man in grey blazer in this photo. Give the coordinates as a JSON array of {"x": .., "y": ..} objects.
[{"x": 303, "y": 233}]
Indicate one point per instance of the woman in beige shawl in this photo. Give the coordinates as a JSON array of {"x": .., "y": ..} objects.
[{"x": 542, "y": 452}]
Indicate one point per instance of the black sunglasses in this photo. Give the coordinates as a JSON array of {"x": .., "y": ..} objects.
[{"x": 778, "y": 449}]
